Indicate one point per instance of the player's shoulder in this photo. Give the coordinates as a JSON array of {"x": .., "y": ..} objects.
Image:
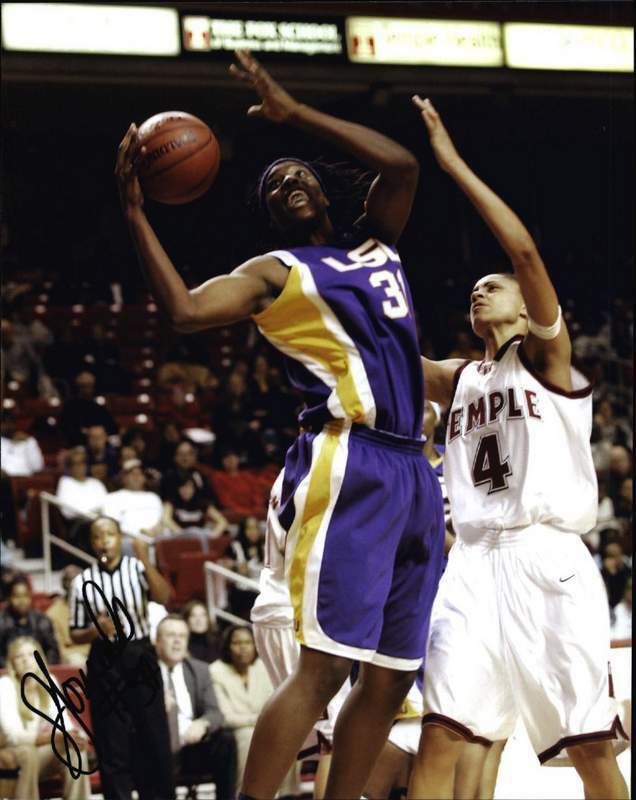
[{"x": 267, "y": 267}]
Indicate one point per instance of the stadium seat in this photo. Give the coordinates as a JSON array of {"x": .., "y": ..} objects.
[
  {"x": 29, "y": 528},
  {"x": 42, "y": 600},
  {"x": 190, "y": 575},
  {"x": 167, "y": 552}
]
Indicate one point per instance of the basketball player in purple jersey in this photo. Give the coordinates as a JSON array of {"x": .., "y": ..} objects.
[
  {"x": 521, "y": 624},
  {"x": 360, "y": 505}
]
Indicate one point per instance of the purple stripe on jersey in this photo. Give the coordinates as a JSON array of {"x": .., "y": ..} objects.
[{"x": 297, "y": 466}]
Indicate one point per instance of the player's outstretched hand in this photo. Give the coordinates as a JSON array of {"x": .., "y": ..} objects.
[
  {"x": 128, "y": 156},
  {"x": 442, "y": 144},
  {"x": 277, "y": 105}
]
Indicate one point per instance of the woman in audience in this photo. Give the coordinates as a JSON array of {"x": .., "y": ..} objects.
[
  {"x": 242, "y": 686},
  {"x": 189, "y": 513},
  {"x": 204, "y": 642},
  {"x": 245, "y": 556},
  {"x": 82, "y": 494},
  {"x": 26, "y": 739}
]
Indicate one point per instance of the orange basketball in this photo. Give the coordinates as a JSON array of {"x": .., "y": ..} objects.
[{"x": 182, "y": 157}]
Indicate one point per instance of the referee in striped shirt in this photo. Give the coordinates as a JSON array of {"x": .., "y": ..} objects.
[{"x": 109, "y": 609}]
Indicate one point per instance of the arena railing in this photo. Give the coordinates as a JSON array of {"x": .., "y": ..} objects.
[
  {"x": 216, "y": 578},
  {"x": 49, "y": 539}
]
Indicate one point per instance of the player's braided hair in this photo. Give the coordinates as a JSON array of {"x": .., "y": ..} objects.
[{"x": 344, "y": 184}]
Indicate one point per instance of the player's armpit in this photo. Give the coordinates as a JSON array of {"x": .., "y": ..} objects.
[
  {"x": 439, "y": 378},
  {"x": 551, "y": 358},
  {"x": 231, "y": 298}
]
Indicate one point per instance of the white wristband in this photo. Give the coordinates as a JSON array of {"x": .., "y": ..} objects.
[{"x": 545, "y": 331}]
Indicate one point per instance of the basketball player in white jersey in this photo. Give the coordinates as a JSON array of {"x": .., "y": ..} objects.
[
  {"x": 272, "y": 616},
  {"x": 521, "y": 623}
]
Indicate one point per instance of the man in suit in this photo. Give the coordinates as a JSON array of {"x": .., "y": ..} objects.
[{"x": 198, "y": 740}]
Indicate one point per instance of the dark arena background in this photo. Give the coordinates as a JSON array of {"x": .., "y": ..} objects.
[{"x": 90, "y": 366}]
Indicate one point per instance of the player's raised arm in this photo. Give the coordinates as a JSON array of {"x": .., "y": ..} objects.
[
  {"x": 548, "y": 343},
  {"x": 390, "y": 198},
  {"x": 219, "y": 301}
]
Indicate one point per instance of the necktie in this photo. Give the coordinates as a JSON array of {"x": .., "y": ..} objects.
[{"x": 172, "y": 708}]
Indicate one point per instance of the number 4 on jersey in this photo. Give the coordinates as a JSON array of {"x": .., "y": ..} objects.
[{"x": 488, "y": 466}]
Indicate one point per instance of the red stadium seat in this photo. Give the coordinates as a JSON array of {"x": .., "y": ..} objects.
[
  {"x": 168, "y": 550},
  {"x": 39, "y": 407},
  {"x": 29, "y": 527},
  {"x": 190, "y": 575},
  {"x": 128, "y": 405},
  {"x": 42, "y": 600}
]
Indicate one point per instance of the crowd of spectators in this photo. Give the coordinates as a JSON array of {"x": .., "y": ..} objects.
[{"x": 200, "y": 461}]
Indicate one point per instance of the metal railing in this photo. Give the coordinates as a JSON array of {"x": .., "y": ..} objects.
[
  {"x": 216, "y": 578},
  {"x": 48, "y": 538}
]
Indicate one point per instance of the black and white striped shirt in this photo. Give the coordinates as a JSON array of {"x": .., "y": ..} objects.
[{"x": 127, "y": 582}]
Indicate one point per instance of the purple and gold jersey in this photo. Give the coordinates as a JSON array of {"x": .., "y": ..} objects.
[{"x": 345, "y": 324}]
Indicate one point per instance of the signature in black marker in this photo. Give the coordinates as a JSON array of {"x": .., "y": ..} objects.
[{"x": 74, "y": 693}]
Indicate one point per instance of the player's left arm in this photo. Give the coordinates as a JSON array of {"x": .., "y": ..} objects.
[
  {"x": 548, "y": 343},
  {"x": 390, "y": 198}
]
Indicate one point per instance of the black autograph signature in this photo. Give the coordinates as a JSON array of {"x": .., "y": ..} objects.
[{"x": 74, "y": 694}]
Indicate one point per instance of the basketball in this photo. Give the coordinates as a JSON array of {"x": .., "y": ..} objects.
[{"x": 182, "y": 157}]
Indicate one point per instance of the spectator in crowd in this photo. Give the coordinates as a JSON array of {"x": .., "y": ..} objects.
[
  {"x": 601, "y": 449},
  {"x": 82, "y": 494},
  {"x": 465, "y": 348},
  {"x": 169, "y": 439},
  {"x": 189, "y": 515},
  {"x": 21, "y": 456},
  {"x": 103, "y": 356},
  {"x": 204, "y": 642},
  {"x": 64, "y": 358},
  {"x": 20, "y": 362},
  {"x": 8, "y": 573},
  {"x": 605, "y": 518},
  {"x": 625, "y": 499},
  {"x": 245, "y": 555},
  {"x": 130, "y": 728},
  {"x": 19, "y": 618},
  {"x": 242, "y": 687},
  {"x": 20, "y": 453},
  {"x": 103, "y": 462},
  {"x": 126, "y": 453},
  {"x": 622, "y": 615},
  {"x": 612, "y": 430},
  {"x": 239, "y": 490},
  {"x": 134, "y": 509},
  {"x": 234, "y": 420},
  {"x": 184, "y": 466},
  {"x": 615, "y": 571},
  {"x": 198, "y": 741},
  {"x": 26, "y": 737},
  {"x": 260, "y": 390},
  {"x": 81, "y": 412},
  {"x": 59, "y": 614},
  {"x": 620, "y": 468},
  {"x": 134, "y": 438},
  {"x": 26, "y": 327}
]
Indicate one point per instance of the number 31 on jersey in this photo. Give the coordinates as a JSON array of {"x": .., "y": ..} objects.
[{"x": 373, "y": 254}]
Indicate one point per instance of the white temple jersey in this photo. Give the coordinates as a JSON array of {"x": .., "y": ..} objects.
[{"x": 518, "y": 450}]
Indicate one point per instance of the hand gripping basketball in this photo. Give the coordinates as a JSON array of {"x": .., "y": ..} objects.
[
  {"x": 277, "y": 105},
  {"x": 128, "y": 156}
]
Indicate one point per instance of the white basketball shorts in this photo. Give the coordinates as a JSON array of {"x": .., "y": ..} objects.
[{"x": 521, "y": 627}]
